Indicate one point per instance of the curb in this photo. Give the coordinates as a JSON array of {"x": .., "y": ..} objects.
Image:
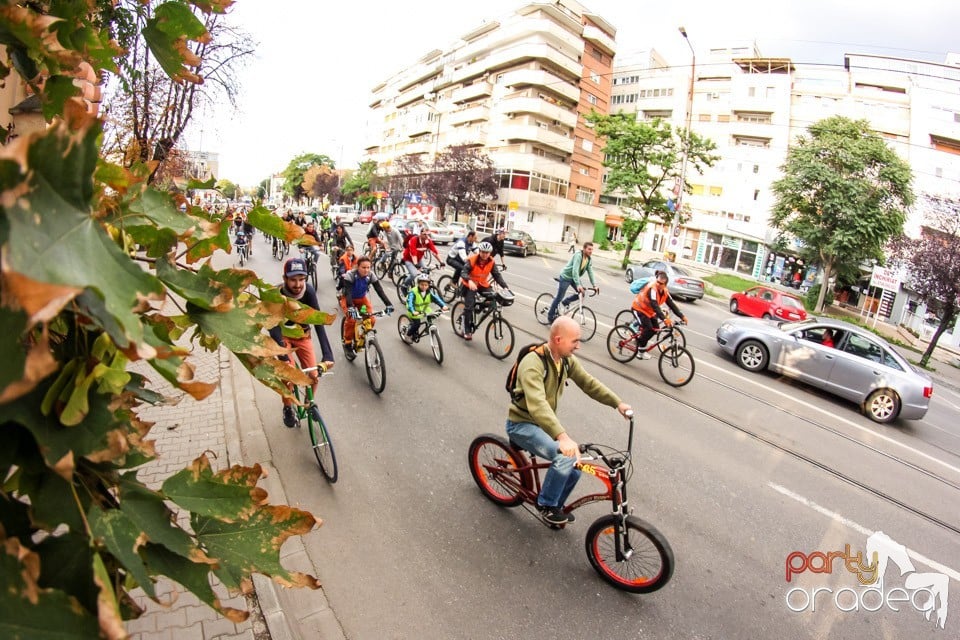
[{"x": 313, "y": 620}]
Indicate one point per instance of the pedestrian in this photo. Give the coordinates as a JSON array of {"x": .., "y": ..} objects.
[{"x": 573, "y": 242}]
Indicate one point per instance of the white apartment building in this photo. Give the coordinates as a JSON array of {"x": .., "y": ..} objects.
[
  {"x": 518, "y": 88},
  {"x": 754, "y": 106}
]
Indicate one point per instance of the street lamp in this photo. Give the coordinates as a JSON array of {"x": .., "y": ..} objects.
[{"x": 686, "y": 133}]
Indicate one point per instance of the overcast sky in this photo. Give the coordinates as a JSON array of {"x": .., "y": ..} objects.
[{"x": 309, "y": 86}]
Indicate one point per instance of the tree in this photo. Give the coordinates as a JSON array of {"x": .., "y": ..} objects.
[
  {"x": 320, "y": 181},
  {"x": 229, "y": 190},
  {"x": 360, "y": 184},
  {"x": 293, "y": 174},
  {"x": 263, "y": 189},
  {"x": 645, "y": 159},
  {"x": 844, "y": 194},
  {"x": 404, "y": 178},
  {"x": 461, "y": 178},
  {"x": 933, "y": 262},
  {"x": 150, "y": 102},
  {"x": 100, "y": 270}
]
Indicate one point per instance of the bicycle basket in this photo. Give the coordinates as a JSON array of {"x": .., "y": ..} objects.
[{"x": 505, "y": 298}]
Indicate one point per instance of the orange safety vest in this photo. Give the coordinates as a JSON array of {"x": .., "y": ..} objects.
[
  {"x": 480, "y": 273},
  {"x": 347, "y": 262},
  {"x": 642, "y": 302}
]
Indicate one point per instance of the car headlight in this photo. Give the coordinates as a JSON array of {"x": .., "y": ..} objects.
[{"x": 726, "y": 326}]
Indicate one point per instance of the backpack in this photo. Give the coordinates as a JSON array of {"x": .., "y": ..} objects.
[
  {"x": 637, "y": 285},
  {"x": 540, "y": 349}
]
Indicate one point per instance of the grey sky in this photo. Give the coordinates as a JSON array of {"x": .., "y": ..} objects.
[{"x": 309, "y": 87}]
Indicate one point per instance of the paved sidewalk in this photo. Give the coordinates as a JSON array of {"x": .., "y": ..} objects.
[{"x": 182, "y": 432}]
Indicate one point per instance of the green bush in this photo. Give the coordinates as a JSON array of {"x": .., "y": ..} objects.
[
  {"x": 810, "y": 300},
  {"x": 619, "y": 245},
  {"x": 731, "y": 282},
  {"x": 604, "y": 245}
]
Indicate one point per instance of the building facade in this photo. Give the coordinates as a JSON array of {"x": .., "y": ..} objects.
[{"x": 518, "y": 88}]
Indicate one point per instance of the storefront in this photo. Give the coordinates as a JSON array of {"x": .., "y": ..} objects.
[{"x": 729, "y": 252}]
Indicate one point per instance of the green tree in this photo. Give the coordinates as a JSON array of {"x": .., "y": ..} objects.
[
  {"x": 263, "y": 189},
  {"x": 461, "y": 178},
  {"x": 298, "y": 166},
  {"x": 361, "y": 183},
  {"x": 645, "y": 160},
  {"x": 229, "y": 190},
  {"x": 843, "y": 195},
  {"x": 101, "y": 270}
]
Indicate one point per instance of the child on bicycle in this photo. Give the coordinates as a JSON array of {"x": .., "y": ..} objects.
[
  {"x": 647, "y": 311},
  {"x": 419, "y": 305}
]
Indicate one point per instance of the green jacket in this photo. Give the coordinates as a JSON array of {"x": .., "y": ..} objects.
[
  {"x": 572, "y": 270},
  {"x": 541, "y": 397}
]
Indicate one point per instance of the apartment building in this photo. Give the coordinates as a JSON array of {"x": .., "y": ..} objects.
[
  {"x": 518, "y": 88},
  {"x": 753, "y": 107}
]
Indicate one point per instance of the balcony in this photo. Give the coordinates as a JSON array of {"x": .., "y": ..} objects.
[
  {"x": 470, "y": 136},
  {"x": 531, "y": 162},
  {"x": 476, "y": 90},
  {"x": 534, "y": 133},
  {"x": 473, "y": 113},
  {"x": 540, "y": 107},
  {"x": 517, "y": 54},
  {"x": 540, "y": 78},
  {"x": 598, "y": 38}
]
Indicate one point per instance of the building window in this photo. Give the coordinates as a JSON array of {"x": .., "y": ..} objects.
[
  {"x": 529, "y": 219},
  {"x": 586, "y": 144},
  {"x": 592, "y": 99},
  {"x": 751, "y": 92},
  {"x": 756, "y": 168},
  {"x": 595, "y": 77},
  {"x": 756, "y": 194},
  {"x": 716, "y": 191},
  {"x": 584, "y": 195},
  {"x": 584, "y": 171},
  {"x": 758, "y": 118},
  {"x": 743, "y": 141},
  {"x": 666, "y": 92},
  {"x": 723, "y": 117},
  {"x": 705, "y": 117}
]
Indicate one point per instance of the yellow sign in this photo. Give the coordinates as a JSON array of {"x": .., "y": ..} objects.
[{"x": 514, "y": 205}]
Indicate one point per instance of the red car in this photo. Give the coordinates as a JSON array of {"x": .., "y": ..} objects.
[
  {"x": 769, "y": 304},
  {"x": 366, "y": 217}
]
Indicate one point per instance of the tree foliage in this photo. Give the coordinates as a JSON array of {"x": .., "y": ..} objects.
[
  {"x": 101, "y": 270},
  {"x": 843, "y": 195},
  {"x": 645, "y": 160},
  {"x": 361, "y": 184},
  {"x": 404, "y": 177},
  {"x": 462, "y": 178},
  {"x": 297, "y": 168},
  {"x": 932, "y": 262},
  {"x": 229, "y": 190},
  {"x": 320, "y": 181}
]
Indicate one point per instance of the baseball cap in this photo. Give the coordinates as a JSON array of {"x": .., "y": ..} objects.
[{"x": 294, "y": 267}]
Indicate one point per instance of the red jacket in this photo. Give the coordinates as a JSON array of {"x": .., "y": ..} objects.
[{"x": 415, "y": 250}]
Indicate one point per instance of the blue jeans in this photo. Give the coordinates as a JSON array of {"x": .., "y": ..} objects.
[
  {"x": 562, "y": 289},
  {"x": 561, "y": 477}
]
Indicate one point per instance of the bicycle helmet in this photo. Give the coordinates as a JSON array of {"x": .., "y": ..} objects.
[
  {"x": 422, "y": 277},
  {"x": 485, "y": 247},
  {"x": 385, "y": 225}
]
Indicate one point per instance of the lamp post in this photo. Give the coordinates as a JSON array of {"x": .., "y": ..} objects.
[{"x": 686, "y": 134}]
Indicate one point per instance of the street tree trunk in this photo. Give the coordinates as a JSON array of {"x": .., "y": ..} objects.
[{"x": 948, "y": 315}]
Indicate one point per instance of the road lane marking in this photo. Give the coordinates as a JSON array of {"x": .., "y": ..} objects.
[
  {"x": 836, "y": 417},
  {"x": 836, "y": 517}
]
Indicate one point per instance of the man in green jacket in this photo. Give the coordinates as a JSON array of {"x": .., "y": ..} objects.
[
  {"x": 581, "y": 263},
  {"x": 532, "y": 421}
]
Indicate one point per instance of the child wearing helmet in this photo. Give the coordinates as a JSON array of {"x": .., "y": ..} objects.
[{"x": 419, "y": 304}]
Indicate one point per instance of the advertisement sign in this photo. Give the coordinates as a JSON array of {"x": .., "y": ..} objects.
[{"x": 883, "y": 278}]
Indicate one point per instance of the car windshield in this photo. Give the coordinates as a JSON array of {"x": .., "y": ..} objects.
[
  {"x": 680, "y": 271},
  {"x": 792, "y": 302}
]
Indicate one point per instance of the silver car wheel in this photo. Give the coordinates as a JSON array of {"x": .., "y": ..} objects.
[
  {"x": 882, "y": 406},
  {"x": 752, "y": 356}
]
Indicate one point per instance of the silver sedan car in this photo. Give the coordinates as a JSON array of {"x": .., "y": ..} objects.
[{"x": 835, "y": 356}]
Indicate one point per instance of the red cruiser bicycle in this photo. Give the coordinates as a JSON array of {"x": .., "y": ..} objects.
[{"x": 627, "y": 552}]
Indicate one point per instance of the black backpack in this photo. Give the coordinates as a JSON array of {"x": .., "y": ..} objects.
[{"x": 540, "y": 348}]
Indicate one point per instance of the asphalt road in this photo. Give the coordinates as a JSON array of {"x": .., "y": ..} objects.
[{"x": 737, "y": 470}]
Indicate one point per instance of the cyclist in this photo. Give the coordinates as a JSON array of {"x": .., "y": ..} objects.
[
  {"x": 647, "y": 311},
  {"x": 461, "y": 250},
  {"x": 325, "y": 224},
  {"x": 413, "y": 253},
  {"x": 310, "y": 230},
  {"x": 418, "y": 305},
  {"x": 475, "y": 276},
  {"x": 354, "y": 286},
  {"x": 496, "y": 241},
  {"x": 394, "y": 243},
  {"x": 341, "y": 240},
  {"x": 373, "y": 238},
  {"x": 295, "y": 286},
  {"x": 532, "y": 420},
  {"x": 581, "y": 263},
  {"x": 347, "y": 262}
]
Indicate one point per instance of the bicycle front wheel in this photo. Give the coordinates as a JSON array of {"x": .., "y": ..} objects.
[
  {"x": 435, "y": 345},
  {"x": 456, "y": 318},
  {"x": 399, "y": 274},
  {"x": 322, "y": 445},
  {"x": 495, "y": 466},
  {"x": 676, "y": 366},
  {"x": 645, "y": 561},
  {"x": 313, "y": 274},
  {"x": 499, "y": 338},
  {"x": 541, "y": 308},
  {"x": 677, "y": 338},
  {"x": 376, "y": 369},
  {"x": 587, "y": 320},
  {"x": 621, "y": 345}
]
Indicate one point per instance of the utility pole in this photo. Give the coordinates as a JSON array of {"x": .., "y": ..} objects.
[{"x": 686, "y": 140}]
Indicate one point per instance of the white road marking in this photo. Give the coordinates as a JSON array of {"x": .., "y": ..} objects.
[{"x": 836, "y": 517}]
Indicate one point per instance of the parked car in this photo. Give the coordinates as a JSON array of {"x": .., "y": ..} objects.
[
  {"x": 366, "y": 217},
  {"x": 683, "y": 285},
  {"x": 343, "y": 213},
  {"x": 768, "y": 303},
  {"x": 860, "y": 366},
  {"x": 459, "y": 229},
  {"x": 439, "y": 233},
  {"x": 519, "y": 243}
]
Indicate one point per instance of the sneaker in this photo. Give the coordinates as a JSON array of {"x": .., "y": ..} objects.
[
  {"x": 553, "y": 515},
  {"x": 643, "y": 355},
  {"x": 290, "y": 417}
]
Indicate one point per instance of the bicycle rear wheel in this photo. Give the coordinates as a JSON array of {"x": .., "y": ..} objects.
[
  {"x": 646, "y": 559},
  {"x": 499, "y": 338},
  {"x": 494, "y": 466},
  {"x": 621, "y": 345},
  {"x": 435, "y": 345},
  {"x": 587, "y": 320},
  {"x": 322, "y": 445},
  {"x": 623, "y": 317},
  {"x": 676, "y": 366},
  {"x": 447, "y": 287},
  {"x": 399, "y": 274},
  {"x": 403, "y": 325},
  {"x": 541, "y": 308},
  {"x": 376, "y": 369}
]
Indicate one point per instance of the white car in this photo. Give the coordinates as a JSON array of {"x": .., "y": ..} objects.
[
  {"x": 344, "y": 214},
  {"x": 439, "y": 233}
]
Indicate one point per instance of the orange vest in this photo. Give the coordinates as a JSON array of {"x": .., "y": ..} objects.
[
  {"x": 480, "y": 273},
  {"x": 347, "y": 262},
  {"x": 642, "y": 302}
]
